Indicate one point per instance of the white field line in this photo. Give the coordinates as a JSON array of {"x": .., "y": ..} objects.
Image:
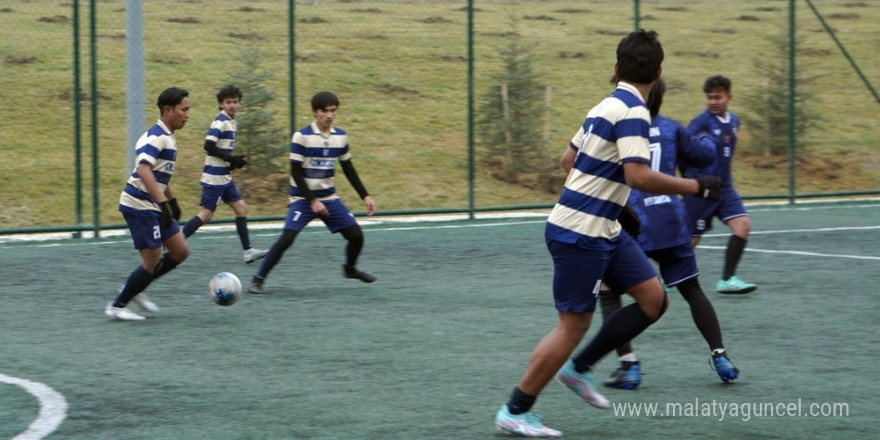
[
  {"x": 802, "y": 253},
  {"x": 53, "y": 408}
]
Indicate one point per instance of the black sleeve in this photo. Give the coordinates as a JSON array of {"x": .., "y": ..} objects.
[
  {"x": 296, "y": 171},
  {"x": 214, "y": 150},
  {"x": 352, "y": 176}
]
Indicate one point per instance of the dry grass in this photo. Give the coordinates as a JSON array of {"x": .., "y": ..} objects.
[{"x": 399, "y": 69}]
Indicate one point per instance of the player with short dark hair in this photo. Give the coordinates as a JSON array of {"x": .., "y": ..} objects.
[
  {"x": 149, "y": 207},
  {"x": 663, "y": 235},
  {"x": 314, "y": 152},
  {"x": 217, "y": 183},
  {"x": 611, "y": 154},
  {"x": 722, "y": 126}
]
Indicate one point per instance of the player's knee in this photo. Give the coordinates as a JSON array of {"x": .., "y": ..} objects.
[
  {"x": 206, "y": 215},
  {"x": 664, "y": 306},
  {"x": 354, "y": 235},
  {"x": 741, "y": 227},
  {"x": 656, "y": 308},
  {"x": 609, "y": 298},
  {"x": 240, "y": 208},
  {"x": 179, "y": 255},
  {"x": 690, "y": 289},
  {"x": 286, "y": 239}
]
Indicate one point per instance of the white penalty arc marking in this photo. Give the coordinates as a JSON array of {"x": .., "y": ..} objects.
[{"x": 53, "y": 408}]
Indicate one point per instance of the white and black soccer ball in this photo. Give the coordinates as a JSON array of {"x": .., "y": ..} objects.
[{"x": 225, "y": 288}]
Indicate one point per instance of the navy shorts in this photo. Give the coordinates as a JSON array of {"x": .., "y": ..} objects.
[
  {"x": 677, "y": 263},
  {"x": 212, "y": 195},
  {"x": 700, "y": 211},
  {"x": 299, "y": 214},
  {"x": 578, "y": 273},
  {"x": 145, "y": 230}
]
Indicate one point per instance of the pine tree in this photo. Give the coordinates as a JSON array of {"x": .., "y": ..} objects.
[
  {"x": 511, "y": 116},
  {"x": 264, "y": 144},
  {"x": 768, "y": 123}
]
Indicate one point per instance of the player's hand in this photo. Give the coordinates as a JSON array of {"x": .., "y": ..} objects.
[
  {"x": 175, "y": 208},
  {"x": 237, "y": 161},
  {"x": 319, "y": 208},
  {"x": 710, "y": 187},
  {"x": 629, "y": 221},
  {"x": 371, "y": 206},
  {"x": 165, "y": 215}
]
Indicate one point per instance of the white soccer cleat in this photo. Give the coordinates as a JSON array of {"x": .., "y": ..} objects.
[
  {"x": 144, "y": 303},
  {"x": 525, "y": 424},
  {"x": 253, "y": 254},
  {"x": 121, "y": 313},
  {"x": 582, "y": 384}
]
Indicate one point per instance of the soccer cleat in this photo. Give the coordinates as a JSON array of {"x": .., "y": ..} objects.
[
  {"x": 725, "y": 369},
  {"x": 526, "y": 424},
  {"x": 626, "y": 377},
  {"x": 252, "y": 255},
  {"x": 143, "y": 302},
  {"x": 121, "y": 313},
  {"x": 582, "y": 384},
  {"x": 352, "y": 272},
  {"x": 735, "y": 285},
  {"x": 256, "y": 286}
]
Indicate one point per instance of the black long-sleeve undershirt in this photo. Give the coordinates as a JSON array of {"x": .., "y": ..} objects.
[{"x": 296, "y": 172}]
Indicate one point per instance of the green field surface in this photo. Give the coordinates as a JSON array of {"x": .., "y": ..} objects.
[{"x": 432, "y": 349}]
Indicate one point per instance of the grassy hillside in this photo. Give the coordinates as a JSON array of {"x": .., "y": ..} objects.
[{"x": 400, "y": 69}]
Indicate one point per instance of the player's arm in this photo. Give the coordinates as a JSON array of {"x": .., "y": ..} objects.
[
  {"x": 639, "y": 175},
  {"x": 352, "y": 175},
  {"x": 235, "y": 161},
  {"x": 296, "y": 173},
  {"x": 568, "y": 157},
  {"x": 145, "y": 172},
  {"x": 694, "y": 150}
]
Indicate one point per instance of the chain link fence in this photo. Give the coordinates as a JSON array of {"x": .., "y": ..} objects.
[{"x": 451, "y": 106}]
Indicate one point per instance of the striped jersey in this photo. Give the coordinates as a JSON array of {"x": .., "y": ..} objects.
[
  {"x": 158, "y": 148},
  {"x": 614, "y": 132},
  {"x": 318, "y": 153},
  {"x": 723, "y": 132},
  {"x": 662, "y": 216},
  {"x": 222, "y": 133}
]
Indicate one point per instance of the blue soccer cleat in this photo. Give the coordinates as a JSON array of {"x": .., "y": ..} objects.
[
  {"x": 725, "y": 369},
  {"x": 626, "y": 377}
]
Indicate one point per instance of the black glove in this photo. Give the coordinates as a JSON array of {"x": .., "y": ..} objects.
[
  {"x": 629, "y": 221},
  {"x": 175, "y": 208},
  {"x": 710, "y": 187},
  {"x": 236, "y": 162},
  {"x": 165, "y": 215}
]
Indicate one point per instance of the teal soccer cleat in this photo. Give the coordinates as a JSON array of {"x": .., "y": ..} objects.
[{"x": 734, "y": 285}]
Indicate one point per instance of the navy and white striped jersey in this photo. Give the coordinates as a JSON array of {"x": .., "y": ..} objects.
[
  {"x": 662, "y": 216},
  {"x": 222, "y": 133},
  {"x": 318, "y": 153},
  {"x": 614, "y": 132},
  {"x": 157, "y": 147},
  {"x": 724, "y": 132}
]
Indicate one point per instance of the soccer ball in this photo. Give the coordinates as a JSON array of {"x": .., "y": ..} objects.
[{"x": 225, "y": 288}]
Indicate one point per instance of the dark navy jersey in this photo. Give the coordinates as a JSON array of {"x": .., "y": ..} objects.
[
  {"x": 662, "y": 216},
  {"x": 723, "y": 132}
]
